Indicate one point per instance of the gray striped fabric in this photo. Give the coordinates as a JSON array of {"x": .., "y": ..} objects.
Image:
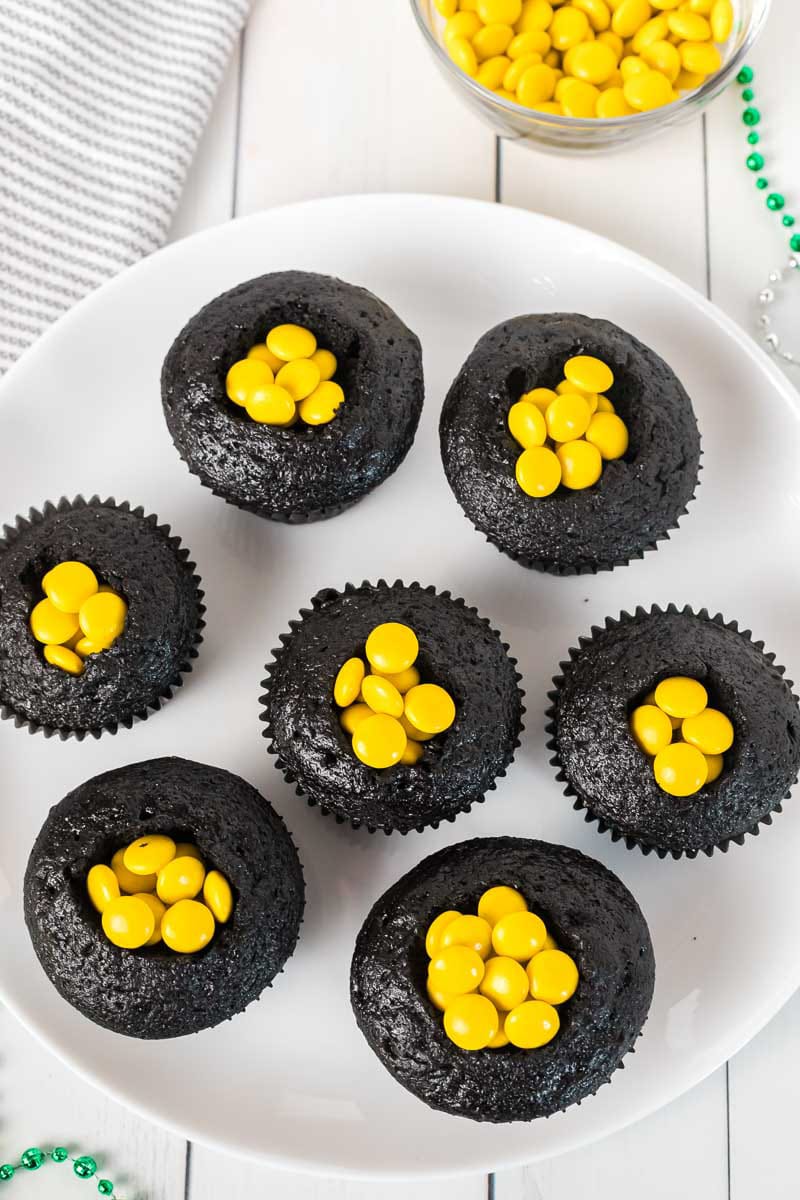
[{"x": 102, "y": 103}]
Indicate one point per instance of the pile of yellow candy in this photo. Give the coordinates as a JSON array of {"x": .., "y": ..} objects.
[
  {"x": 150, "y": 892},
  {"x": 587, "y": 58},
  {"x": 685, "y": 738},
  {"x": 286, "y": 379},
  {"x": 78, "y": 616},
  {"x": 497, "y": 976},
  {"x": 389, "y": 712},
  {"x": 566, "y": 434}
]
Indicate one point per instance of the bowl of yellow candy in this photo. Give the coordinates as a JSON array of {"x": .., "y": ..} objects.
[{"x": 588, "y": 75}]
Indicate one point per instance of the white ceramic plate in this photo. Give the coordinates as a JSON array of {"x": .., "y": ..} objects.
[{"x": 292, "y": 1081}]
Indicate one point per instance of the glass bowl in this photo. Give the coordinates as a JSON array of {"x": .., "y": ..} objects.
[{"x": 545, "y": 131}]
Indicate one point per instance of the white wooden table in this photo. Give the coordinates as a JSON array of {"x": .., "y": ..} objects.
[{"x": 331, "y": 97}]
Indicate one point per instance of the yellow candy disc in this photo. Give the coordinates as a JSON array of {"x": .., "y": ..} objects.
[
  {"x": 264, "y": 354},
  {"x": 595, "y": 62},
  {"x": 128, "y": 922},
  {"x": 381, "y": 695},
  {"x": 187, "y": 850},
  {"x": 348, "y": 682},
  {"x": 651, "y": 728},
  {"x": 468, "y": 931},
  {"x": 568, "y": 417},
  {"x": 412, "y": 732},
  {"x": 702, "y": 58},
  {"x": 244, "y": 377},
  {"x": 320, "y": 407},
  {"x": 553, "y": 976},
  {"x": 352, "y": 717},
  {"x": 412, "y": 753},
  {"x": 379, "y": 741},
  {"x": 180, "y": 879},
  {"x": 218, "y": 895},
  {"x": 680, "y": 696},
  {"x": 721, "y": 22},
  {"x": 499, "y": 1039},
  {"x": 128, "y": 882},
  {"x": 67, "y": 660},
  {"x": 288, "y": 342},
  {"x": 392, "y": 647},
  {"x": 437, "y": 928},
  {"x": 50, "y": 625},
  {"x": 647, "y": 91},
  {"x": 325, "y": 363},
  {"x": 542, "y": 398},
  {"x": 496, "y": 902},
  {"x": 536, "y": 15},
  {"x": 589, "y": 373},
  {"x": 270, "y": 404},
  {"x": 85, "y": 647},
  {"x": 531, "y": 1024},
  {"x": 157, "y": 909},
  {"x": 603, "y": 402},
  {"x": 471, "y": 1022},
  {"x": 69, "y": 584},
  {"x": 492, "y": 40},
  {"x": 102, "y": 618},
  {"x": 519, "y": 935},
  {"x": 569, "y": 27},
  {"x": 102, "y": 886},
  {"x": 402, "y": 680},
  {"x": 629, "y": 16},
  {"x": 680, "y": 769},
  {"x": 463, "y": 55},
  {"x": 581, "y": 464},
  {"x": 609, "y": 434},
  {"x": 148, "y": 854},
  {"x": 715, "y": 763},
  {"x": 440, "y": 1000},
  {"x": 505, "y": 983},
  {"x": 299, "y": 377},
  {"x": 538, "y": 471},
  {"x": 506, "y": 12},
  {"x": 187, "y": 926},
  {"x": 710, "y": 731},
  {"x": 455, "y": 969},
  {"x": 526, "y": 424},
  {"x": 536, "y": 85},
  {"x": 430, "y": 708}
]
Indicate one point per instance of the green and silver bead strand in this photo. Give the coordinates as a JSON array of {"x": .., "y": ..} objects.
[
  {"x": 83, "y": 1166},
  {"x": 776, "y": 202}
]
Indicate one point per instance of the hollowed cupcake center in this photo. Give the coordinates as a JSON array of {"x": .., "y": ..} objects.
[
  {"x": 684, "y": 734},
  {"x": 389, "y": 710},
  {"x": 497, "y": 976},
  {"x": 567, "y": 433},
  {"x": 79, "y": 616},
  {"x": 286, "y": 379},
  {"x": 157, "y": 889}
]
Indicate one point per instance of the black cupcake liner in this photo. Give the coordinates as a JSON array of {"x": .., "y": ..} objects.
[
  {"x": 295, "y": 626},
  {"x": 10, "y": 533},
  {"x": 580, "y": 803}
]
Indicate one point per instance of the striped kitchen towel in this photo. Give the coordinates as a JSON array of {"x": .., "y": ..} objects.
[{"x": 102, "y": 103}]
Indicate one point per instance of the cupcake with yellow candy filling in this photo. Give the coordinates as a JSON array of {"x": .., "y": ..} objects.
[
  {"x": 675, "y": 731},
  {"x": 163, "y": 897},
  {"x": 392, "y": 706},
  {"x": 569, "y": 444},
  {"x": 100, "y": 617},
  {"x": 293, "y": 395},
  {"x": 503, "y": 979}
]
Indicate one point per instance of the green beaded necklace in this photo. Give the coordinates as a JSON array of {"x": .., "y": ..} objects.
[
  {"x": 84, "y": 1166},
  {"x": 776, "y": 203}
]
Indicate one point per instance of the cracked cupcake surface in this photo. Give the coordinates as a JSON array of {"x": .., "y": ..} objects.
[
  {"x": 639, "y": 497},
  {"x": 153, "y": 992},
  {"x": 144, "y": 563},
  {"x": 302, "y": 472},
  {"x": 592, "y": 916},
  {"x": 597, "y": 757},
  {"x": 457, "y": 648}
]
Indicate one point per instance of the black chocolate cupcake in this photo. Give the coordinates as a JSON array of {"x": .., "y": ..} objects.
[
  {"x": 638, "y": 498},
  {"x": 153, "y": 992},
  {"x": 298, "y": 473},
  {"x": 140, "y": 560},
  {"x": 592, "y": 916},
  {"x": 614, "y": 670},
  {"x": 458, "y": 650}
]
